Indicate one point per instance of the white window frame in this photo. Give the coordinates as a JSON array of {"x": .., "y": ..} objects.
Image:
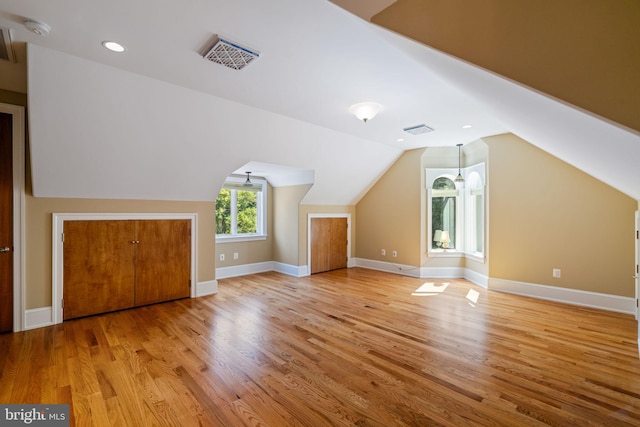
[
  {"x": 261, "y": 220},
  {"x": 465, "y": 212},
  {"x": 475, "y": 182},
  {"x": 431, "y": 175}
]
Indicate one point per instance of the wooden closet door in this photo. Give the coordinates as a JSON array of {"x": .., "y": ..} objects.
[
  {"x": 163, "y": 260},
  {"x": 98, "y": 267},
  {"x": 338, "y": 238},
  {"x": 328, "y": 244}
]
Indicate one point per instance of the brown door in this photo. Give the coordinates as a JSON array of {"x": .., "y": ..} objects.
[
  {"x": 328, "y": 244},
  {"x": 163, "y": 260},
  {"x": 98, "y": 267},
  {"x": 6, "y": 222}
]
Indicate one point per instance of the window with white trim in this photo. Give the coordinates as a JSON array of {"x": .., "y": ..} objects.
[
  {"x": 474, "y": 214},
  {"x": 241, "y": 210},
  {"x": 456, "y": 211}
]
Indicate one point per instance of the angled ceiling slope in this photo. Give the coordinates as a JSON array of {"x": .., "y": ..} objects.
[{"x": 565, "y": 77}]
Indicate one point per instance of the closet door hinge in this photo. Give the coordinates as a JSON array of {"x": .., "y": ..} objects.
[{"x": 62, "y": 237}]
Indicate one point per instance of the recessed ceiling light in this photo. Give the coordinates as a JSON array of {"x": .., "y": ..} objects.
[
  {"x": 467, "y": 127},
  {"x": 113, "y": 46},
  {"x": 400, "y": 140}
]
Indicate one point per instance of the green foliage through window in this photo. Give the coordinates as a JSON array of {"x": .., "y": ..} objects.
[{"x": 238, "y": 211}]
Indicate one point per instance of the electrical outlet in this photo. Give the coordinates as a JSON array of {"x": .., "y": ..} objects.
[
  {"x": 383, "y": 252},
  {"x": 557, "y": 272},
  {"x": 221, "y": 257},
  {"x": 394, "y": 253},
  {"x": 235, "y": 255}
]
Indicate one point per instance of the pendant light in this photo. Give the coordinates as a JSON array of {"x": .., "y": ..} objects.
[
  {"x": 459, "y": 178},
  {"x": 248, "y": 182}
]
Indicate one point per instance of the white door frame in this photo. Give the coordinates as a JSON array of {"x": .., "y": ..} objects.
[
  {"x": 18, "y": 138},
  {"x": 328, "y": 215},
  {"x": 57, "y": 248}
]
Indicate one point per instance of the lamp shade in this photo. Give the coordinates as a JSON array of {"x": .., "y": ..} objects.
[
  {"x": 365, "y": 110},
  {"x": 444, "y": 238},
  {"x": 437, "y": 236}
]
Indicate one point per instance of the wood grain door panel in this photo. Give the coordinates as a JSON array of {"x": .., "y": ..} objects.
[
  {"x": 320, "y": 245},
  {"x": 98, "y": 267},
  {"x": 163, "y": 260},
  {"x": 6, "y": 222},
  {"x": 338, "y": 239},
  {"x": 328, "y": 244}
]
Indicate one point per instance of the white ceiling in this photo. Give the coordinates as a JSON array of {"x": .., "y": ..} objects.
[{"x": 316, "y": 60}]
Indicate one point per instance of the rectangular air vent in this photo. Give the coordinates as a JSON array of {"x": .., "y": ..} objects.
[
  {"x": 230, "y": 54},
  {"x": 6, "y": 45},
  {"x": 419, "y": 129}
]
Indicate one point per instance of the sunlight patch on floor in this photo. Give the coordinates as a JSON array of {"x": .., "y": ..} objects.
[
  {"x": 473, "y": 296},
  {"x": 430, "y": 289}
]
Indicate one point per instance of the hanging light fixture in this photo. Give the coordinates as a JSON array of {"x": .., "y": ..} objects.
[
  {"x": 365, "y": 110},
  {"x": 459, "y": 178},
  {"x": 248, "y": 182}
]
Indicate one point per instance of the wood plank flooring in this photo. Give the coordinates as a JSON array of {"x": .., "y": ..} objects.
[{"x": 344, "y": 348}]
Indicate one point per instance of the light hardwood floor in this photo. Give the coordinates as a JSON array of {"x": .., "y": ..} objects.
[{"x": 349, "y": 347}]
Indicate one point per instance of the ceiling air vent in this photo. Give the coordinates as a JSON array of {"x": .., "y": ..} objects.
[
  {"x": 419, "y": 129},
  {"x": 230, "y": 54},
  {"x": 6, "y": 45}
]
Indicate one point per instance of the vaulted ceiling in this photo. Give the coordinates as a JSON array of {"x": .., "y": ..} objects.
[{"x": 161, "y": 122}]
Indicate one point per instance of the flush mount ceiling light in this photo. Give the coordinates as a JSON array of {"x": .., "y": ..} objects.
[
  {"x": 459, "y": 178},
  {"x": 36, "y": 27},
  {"x": 113, "y": 46},
  {"x": 365, "y": 111}
]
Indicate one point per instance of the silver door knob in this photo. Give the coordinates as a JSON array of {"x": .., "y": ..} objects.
[{"x": 5, "y": 249}]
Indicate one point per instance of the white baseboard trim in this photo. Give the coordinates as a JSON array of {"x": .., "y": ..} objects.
[
  {"x": 38, "y": 318},
  {"x": 209, "y": 287},
  {"x": 442, "y": 272},
  {"x": 568, "y": 296},
  {"x": 405, "y": 270},
  {"x": 243, "y": 269},
  {"x": 477, "y": 278},
  {"x": 291, "y": 270},
  {"x": 261, "y": 267}
]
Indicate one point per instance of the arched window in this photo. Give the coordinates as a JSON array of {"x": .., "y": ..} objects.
[
  {"x": 456, "y": 220},
  {"x": 444, "y": 213}
]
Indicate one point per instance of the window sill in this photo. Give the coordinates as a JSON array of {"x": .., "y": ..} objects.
[
  {"x": 441, "y": 253},
  {"x": 238, "y": 238},
  {"x": 478, "y": 257},
  {"x": 452, "y": 253}
]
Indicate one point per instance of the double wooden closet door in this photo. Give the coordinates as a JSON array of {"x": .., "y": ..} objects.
[{"x": 116, "y": 264}]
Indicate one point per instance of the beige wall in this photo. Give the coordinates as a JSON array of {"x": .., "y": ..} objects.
[
  {"x": 556, "y": 47},
  {"x": 389, "y": 215},
  {"x": 546, "y": 214},
  {"x": 39, "y": 227},
  {"x": 303, "y": 224},
  {"x": 286, "y": 212}
]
